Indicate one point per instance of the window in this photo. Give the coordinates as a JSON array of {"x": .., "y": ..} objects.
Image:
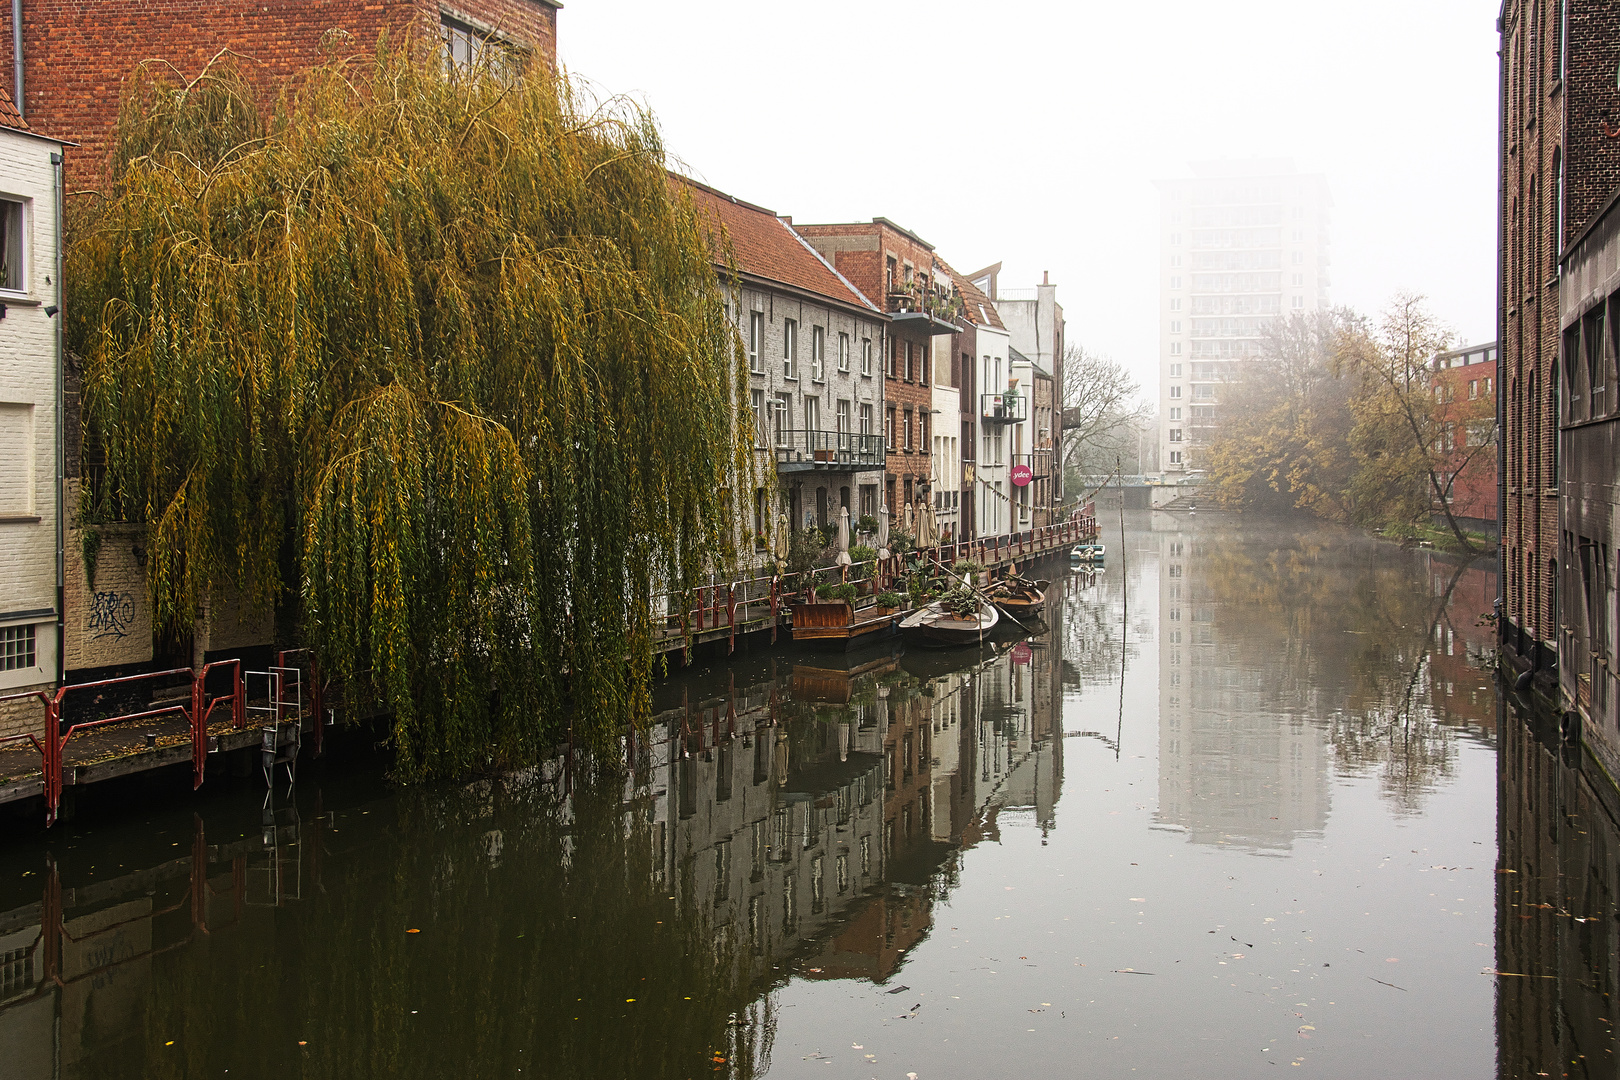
[
  {"x": 909, "y": 374},
  {"x": 1175, "y": 434},
  {"x": 866, "y": 418},
  {"x": 17, "y": 648},
  {"x": 1175, "y": 326},
  {"x": 13, "y": 252},
  {"x": 1175, "y": 371},
  {"x": 818, "y": 354},
  {"x": 843, "y": 420},
  {"x": 1175, "y": 239},
  {"x": 1299, "y": 258},
  {"x": 1175, "y": 392},
  {"x": 756, "y": 342},
  {"x": 790, "y": 348},
  {"x": 908, "y": 443},
  {"x": 843, "y": 352},
  {"x": 1175, "y": 283},
  {"x": 1175, "y": 303},
  {"x": 17, "y": 449},
  {"x": 1175, "y": 457},
  {"x": 894, "y": 358},
  {"x": 1175, "y": 348},
  {"x": 1175, "y": 260},
  {"x": 1298, "y": 280},
  {"x": 756, "y": 401},
  {"x": 1473, "y": 389},
  {"x": 784, "y": 419},
  {"x": 888, "y": 432},
  {"x": 812, "y": 414},
  {"x": 1175, "y": 414},
  {"x": 866, "y": 356},
  {"x": 1297, "y": 303},
  {"x": 922, "y": 431}
]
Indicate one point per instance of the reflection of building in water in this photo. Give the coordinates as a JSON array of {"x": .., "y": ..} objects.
[
  {"x": 1557, "y": 890},
  {"x": 1236, "y": 764},
  {"x": 1463, "y": 645}
]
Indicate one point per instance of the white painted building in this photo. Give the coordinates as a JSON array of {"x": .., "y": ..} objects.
[
  {"x": 1242, "y": 244},
  {"x": 997, "y": 415},
  {"x": 30, "y": 414}
]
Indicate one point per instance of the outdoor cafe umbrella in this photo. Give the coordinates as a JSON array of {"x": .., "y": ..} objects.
[
  {"x": 927, "y": 527},
  {"x": 883, "y": 531},
  {"x": 781, "y": 549},
  {"x": 843, "y": 537},
  {"x": 911, "y": 519}
]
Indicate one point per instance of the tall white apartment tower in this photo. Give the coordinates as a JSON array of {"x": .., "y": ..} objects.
[{"x": 1242, "y": 243}]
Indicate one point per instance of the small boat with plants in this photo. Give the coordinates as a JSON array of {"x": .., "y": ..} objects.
[
  {"x": 835, "y": 622},
  {"x": 1018, "y": 596},
  {"x": 960, "y": 617}
]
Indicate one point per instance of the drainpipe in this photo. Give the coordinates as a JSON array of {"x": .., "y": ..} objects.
[
  {"x": 61, "y": 427},
  {"x": 17, "y": 55}
]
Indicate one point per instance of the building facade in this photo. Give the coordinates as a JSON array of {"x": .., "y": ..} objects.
[
  {"x": 1036, "y": 329},
  {"x": 1560, "y": 165},
  {"x": 1464, "y": 384},
  {"x": 75, "y": 57},
  {"x": 813, "y": 342},
  {"x": 30, "y": 416},
  {"x": 883, "y": 260},
  {"x": 1242, "y": 244}
]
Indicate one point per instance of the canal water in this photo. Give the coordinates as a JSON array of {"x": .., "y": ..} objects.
[{"x": 1233, "y": 807}]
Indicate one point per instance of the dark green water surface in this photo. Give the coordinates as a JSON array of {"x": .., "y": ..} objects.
[{"x": 1233, "y": 812}]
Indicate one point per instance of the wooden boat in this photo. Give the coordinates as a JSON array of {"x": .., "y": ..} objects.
[
  {"x": 1019, "y": 597},
  {"x": 838, "y": 625},
  {"x": 936, "y": 628},
  {"x": 1086, "y": 553}
]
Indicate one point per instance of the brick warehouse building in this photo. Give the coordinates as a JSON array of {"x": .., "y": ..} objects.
[
  {"x": 883, "y": 260},
  {"x": 76, "y": 55},
  {"x": 1559, "y": 162}
]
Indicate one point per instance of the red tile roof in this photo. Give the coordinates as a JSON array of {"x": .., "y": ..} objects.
[
  {"x": 765, "y": 246},
  {"x": 980, "y": 311},
  {"x": 9, "y": 116}
]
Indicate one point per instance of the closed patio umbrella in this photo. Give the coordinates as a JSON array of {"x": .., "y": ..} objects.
[{"x": 843, "y": 536}]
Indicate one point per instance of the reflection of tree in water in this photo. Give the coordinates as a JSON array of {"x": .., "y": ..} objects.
[{"x": 1342, "y": 632}]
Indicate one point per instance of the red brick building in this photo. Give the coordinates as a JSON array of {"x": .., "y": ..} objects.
[
  {"x": 1464, "y": 383},
  {"x": 1560, "y": 160},
  {"x": 76, "y": 55},
  {"x": 883, "y": 260}
]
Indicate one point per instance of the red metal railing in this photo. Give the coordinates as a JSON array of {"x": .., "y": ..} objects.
[{"x": 198, "y": 713}]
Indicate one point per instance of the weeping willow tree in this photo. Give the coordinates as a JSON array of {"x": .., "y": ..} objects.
[{"x": 434, "y": 362}]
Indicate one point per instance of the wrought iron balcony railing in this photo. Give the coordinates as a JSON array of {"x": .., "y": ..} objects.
[
  {"x": 1004, "y": 408},
  {"x": 802, "y": 449}
]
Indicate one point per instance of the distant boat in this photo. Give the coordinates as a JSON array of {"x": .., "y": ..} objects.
[
  {"x": 1019, "y": 597},
  {"x": 1087, "y": 553},
  {"x": 935, "y": 627}
]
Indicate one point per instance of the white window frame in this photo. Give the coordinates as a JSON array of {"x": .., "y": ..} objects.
[
  {"x": 843, "y": 353},
  {"x": 866, "y": 357},
  {"x": 790, "y": 348},
  {"x": 24, "y": 219},
  {"x": 818, "y": 354},
  {"x": 756, "y": 342}
]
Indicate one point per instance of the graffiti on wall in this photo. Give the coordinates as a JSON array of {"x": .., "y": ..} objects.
[{"x": 111, "y": 614}]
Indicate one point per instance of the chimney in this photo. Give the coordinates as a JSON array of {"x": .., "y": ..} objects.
[{"x": 1046, "y": 277}]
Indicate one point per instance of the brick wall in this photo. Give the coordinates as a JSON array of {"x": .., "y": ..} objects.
[
  {"x": 861, "y": 252},
  {"x": 76, "y": 55}
]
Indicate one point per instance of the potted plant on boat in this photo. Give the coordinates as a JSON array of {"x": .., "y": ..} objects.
[{"x": 888, "y": 603}]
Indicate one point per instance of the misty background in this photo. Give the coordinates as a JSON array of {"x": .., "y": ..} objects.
[{"x": 1031, "y": 132}]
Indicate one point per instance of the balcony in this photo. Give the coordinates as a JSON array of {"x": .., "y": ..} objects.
[
  {"x": 829, "y": 451},
  {"x": 1003, "y": 408},
  {"x": 914, "y": 312}
]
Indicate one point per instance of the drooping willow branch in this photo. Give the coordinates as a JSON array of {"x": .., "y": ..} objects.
[{"x": 453, "y": 398}]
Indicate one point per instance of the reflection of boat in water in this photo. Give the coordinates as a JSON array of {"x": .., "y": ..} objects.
[
  {"x": 1019, "y": 597},
  {"x": 931, "y": 664},
  {"x": 937, "y": 627}
]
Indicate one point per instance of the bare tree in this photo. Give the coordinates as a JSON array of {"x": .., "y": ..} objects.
[{"x": 1102, "y": 414}]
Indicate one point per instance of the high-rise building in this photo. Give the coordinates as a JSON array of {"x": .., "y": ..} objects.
[{"x": 1242, "y": 244}]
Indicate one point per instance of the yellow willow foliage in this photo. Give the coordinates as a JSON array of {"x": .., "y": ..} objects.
[{"x": 434, "y": 363}]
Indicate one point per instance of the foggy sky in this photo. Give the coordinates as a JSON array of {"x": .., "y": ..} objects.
[{"x": 1030, "y": 131}]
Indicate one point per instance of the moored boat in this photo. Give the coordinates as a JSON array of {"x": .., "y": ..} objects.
[
  {"x": 939, "y": 626},
  {"x": 1019, "y": 596}
]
